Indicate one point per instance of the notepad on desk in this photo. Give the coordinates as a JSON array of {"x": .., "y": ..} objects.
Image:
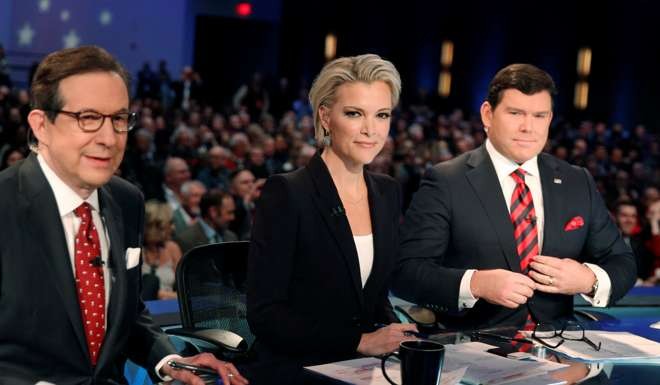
[{"x": 615, "y": 346}]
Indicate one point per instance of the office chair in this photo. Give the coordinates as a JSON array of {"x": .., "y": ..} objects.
[{"x": 211, "y": 281}]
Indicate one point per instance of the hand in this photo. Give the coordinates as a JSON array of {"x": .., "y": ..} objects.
[
  {"x": 385, "y": 340},
  {"x": 561, "y": 275},
  {"x": 224, "y": 369},
  {"x": 502, "y": 287}
]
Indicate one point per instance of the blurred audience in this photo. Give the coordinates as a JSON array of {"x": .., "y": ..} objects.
[{"x": 161, "y": 255}]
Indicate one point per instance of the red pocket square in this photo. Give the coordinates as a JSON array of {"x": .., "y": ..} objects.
[{"x": 574, "y": 224}]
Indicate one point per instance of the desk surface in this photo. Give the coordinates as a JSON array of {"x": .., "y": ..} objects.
[{"x": 628, "y": 315}]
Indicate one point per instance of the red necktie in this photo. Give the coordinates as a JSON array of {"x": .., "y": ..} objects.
[
  {"x": 523, "y": 218},
  {"x": 525, "y": 233},
  {"x": 89, "y": 281}
]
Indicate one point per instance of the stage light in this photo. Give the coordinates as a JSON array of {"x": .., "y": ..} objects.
[
  {"x": 581, "y": 95},
  {"x": 447, "y": 53},
  {"x": 444, "y": 84},
  {"x": 330, "y": 46},
  {"x": 243, "y": 9},
  {"x": 584, "y": 61}
]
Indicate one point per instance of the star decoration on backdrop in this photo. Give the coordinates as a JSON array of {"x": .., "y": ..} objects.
[
  {"x": 65, "y": 15},
  {"x": 25, "y": 35},
  {"x": 105, "y": 17},
  {"x": 44, "y": 6},
  {"x": 71, "y": 39}
]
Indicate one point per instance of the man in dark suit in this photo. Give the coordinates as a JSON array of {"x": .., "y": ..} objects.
[
  {"x": 70, "y": 263},
  {"x": 217, "y": 212},
  {"x": 506, "y": 225}
]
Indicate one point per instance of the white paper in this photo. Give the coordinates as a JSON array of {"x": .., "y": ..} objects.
[
  {"x": 615, "y": 346},
  {"x": 490, "y": 369},
  {"x": 366, "y": 371}
]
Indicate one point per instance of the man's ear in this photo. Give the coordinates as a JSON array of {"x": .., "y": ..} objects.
[
  {"x": 486, "y": 115},
  {"x": 37, "y": 121}
]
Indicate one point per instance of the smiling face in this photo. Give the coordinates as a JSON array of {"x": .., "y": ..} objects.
[
  {"x": 83, "y": 160},
  {"x": 358, "y": 121},
  {"x": 518, "y": 126}
]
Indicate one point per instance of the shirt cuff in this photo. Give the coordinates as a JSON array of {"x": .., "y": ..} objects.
[
  {"x": 162, "y": 363},
  {"x": 601, "y": 297},
  {"x": 465, "y": 298}
]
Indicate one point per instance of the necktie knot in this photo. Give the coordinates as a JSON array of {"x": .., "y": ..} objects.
[
  {"x": 519, "y": 176},
  {"x": 83, "y": 211}
]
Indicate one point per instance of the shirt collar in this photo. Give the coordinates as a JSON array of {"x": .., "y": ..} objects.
[
  {"x": 506, "y": 166},
  {"x": 67, "y": 199},
  {"x": 208, "y": 230}
]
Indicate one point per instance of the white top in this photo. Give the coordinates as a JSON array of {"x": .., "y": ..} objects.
[
  {"x": 67, "y": 201},
  {"x": 364, "y": 244},
  {"x": 503, "y": 168}
]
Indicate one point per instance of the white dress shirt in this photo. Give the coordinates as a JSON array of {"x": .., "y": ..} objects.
[
  {"x": 364, "y": 245},
  {"x": 67, "y": 201},
  {"x": 503, "y": 168}
]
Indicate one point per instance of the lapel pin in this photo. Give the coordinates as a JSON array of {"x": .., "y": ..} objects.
[{"x": 557, "y": 181}]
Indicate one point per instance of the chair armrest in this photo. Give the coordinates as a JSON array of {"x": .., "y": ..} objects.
[{"x": 223, "y": 339}]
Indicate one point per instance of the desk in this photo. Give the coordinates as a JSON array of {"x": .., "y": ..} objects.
[{"x": 633, "y": 313}]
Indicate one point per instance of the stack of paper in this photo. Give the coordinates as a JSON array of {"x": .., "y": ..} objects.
[
  {"x": 367, "y": 371},
  {"x": 615, "y": 346},
  {"x": 468, "y": 363}
]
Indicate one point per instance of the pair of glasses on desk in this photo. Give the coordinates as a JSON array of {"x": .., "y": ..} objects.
[{"x": 543, "y": 333}]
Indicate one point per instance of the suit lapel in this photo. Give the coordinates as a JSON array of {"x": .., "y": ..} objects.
[
  {"x": 42, "y": 214},
  {"x": 483, "y": 179},
  {"x": 113, "y": 221},
  {"x": 326, "y": 199},
  {"x": 552, "y": 207}
]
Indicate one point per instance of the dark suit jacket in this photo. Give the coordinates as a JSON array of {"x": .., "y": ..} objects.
[
  {"x": 194, "y": 236},
  {"x": 459, "y": 220},
  {"x": 41, "y": 332},
  {"x": 305, "y": 301}
]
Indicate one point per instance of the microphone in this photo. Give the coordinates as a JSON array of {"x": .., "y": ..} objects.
[
  {"x": 97, "y": 261},
  {"x": 338, "y": 211}
]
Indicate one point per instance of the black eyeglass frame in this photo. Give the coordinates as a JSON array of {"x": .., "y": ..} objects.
[
  {"x": 131, "y": 119},
  {"x": 560, "y": 334}
]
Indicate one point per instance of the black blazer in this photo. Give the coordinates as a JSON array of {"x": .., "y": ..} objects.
[
  {"x": 459, "y": 220},
  {"x": 305, "y": 301},
  {"x": 41, "y": 332}
]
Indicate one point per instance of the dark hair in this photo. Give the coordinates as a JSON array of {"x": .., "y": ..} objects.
[
  {"x": 212, "y": 198},
  {"x": 68, "y": 62},
  {"x": 624, "y": 202},
  {"x": 525, "y": 78}
]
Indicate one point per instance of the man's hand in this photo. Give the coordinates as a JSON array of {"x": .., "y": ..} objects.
[
  {"x": 386, "y": 339},
  {"x": 226, "y": 370},
  {"x": 502, "y": 287},
  {"x": 561, "y": 275}
]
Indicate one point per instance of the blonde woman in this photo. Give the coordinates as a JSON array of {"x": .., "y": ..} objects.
[
  {"x": 325, "y": 236},
  {"x": 161, "y": 254}
]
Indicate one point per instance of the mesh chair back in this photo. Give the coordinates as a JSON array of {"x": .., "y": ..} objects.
[{"x": 211, "y": 283}]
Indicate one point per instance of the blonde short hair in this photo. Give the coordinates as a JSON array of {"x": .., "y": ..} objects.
[
  {"x": 363, "y": 68},
  {"x": 158, "y": 220}
]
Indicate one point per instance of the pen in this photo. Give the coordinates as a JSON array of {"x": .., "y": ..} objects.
[{"x": 192, "y": 368}]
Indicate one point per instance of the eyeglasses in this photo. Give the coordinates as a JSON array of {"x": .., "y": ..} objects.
[
  {"x": 92, "y": 121},
  {"x": 570, "y": 331}
]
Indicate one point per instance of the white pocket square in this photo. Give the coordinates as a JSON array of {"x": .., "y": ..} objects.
[{"x": 132, "y": 257}]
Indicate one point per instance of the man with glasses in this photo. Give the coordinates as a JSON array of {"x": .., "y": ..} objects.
[{"x": 70, "y": 251}]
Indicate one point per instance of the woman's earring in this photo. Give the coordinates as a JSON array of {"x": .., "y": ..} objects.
[{"x": 327, "y": 141}]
